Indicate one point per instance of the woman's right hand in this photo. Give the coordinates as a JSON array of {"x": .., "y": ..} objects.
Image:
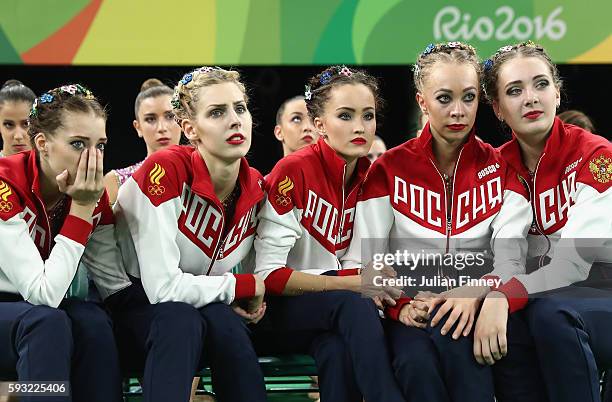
[
  {"x": 375, "y": 283},
  {"x": 87, "y": 187},
  {"x": 414, "y": 314}
]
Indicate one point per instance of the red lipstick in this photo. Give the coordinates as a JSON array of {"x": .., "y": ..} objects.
[
  {"x": 532, "y": 115},
  {"x": 456, "y": 127}
]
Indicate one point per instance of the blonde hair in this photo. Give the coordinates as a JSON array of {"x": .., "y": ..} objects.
[
  {"x": 185, "y": 96},
  {"x": 451, "y": 52}
]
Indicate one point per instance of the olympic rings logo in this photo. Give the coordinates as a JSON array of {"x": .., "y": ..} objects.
[
  {"x": 6, "y": 206},
  {"x": 282, "y": 200},
  {"x": 157, "y": 190}
]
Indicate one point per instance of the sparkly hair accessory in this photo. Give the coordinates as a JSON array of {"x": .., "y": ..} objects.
[
  {"x": 45, "y": 98},
  {"x": 344, "y": 70},
  {"x": 206, "y": 69},
  {"x": 48, "y": 97},
  {"x": 430, "y": 48},
  {"x": 454, "y": 45},
  {"x": 325, "y": 78},
  {"x": 487, "y": 64},
  {"x": 186, "y": 79},
  {"x": 71, "y": 89},
  {"x": 307, "y": 92},
  {"x": 175, "y": 102}
]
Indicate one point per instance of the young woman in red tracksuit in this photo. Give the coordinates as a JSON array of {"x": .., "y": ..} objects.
[
  {"x": 55, "y": 216},
  {"x": 185, "y": 219},
  {"x": 567, "y": 301},
  {"x": 306, "y": 225},
  {"x": 443, "y": 192}
]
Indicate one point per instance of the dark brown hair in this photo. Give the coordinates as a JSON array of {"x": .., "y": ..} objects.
[
  {"x": 49, "y": 109},
  {"x": 15, "y": 91},
  {"x": 151, "y": 88},
  {"x": 506, "y": 53},
  {"x": 319, "y": 87}
]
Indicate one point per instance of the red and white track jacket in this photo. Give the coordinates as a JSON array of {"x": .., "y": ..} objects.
[
  {"x": 306, "y": 223},
  {"x": 170, "y": 225},
  {"x": 571, "y": 195},
  {"x": 41, "y": 268},
  {"x": 405, "y": 196}
]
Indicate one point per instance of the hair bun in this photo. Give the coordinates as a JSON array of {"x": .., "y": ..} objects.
[
  {"x": 150, "y": 83},
  {"x": 11, "y": 83}
]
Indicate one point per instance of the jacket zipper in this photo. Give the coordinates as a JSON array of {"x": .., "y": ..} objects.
[
  {"x": 539, "y": 229},
  {"x": 448, "y": 200}
]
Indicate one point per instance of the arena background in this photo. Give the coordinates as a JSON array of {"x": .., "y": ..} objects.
[{"x": 112, "y": 46}]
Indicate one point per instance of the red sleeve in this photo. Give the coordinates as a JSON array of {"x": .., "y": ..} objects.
[
  {"x": 515, "y": 293},
  {"x": 348, "y": 272},
  {"x": 392, "y": 312},
  {"x": 245, "y": 286},
  {"x": 76, "y": 229},
  {"x": 277, "y": 280}
]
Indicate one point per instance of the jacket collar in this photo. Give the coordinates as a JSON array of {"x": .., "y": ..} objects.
[
  {"x": 425, "y": 141},
  {"x": 251, "y": 191},
  {"x": 511, "y": 151},
  {"x": 334, "y": 164}
]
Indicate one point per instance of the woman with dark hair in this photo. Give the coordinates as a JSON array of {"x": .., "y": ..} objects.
[{"x": 306, "y": 225}]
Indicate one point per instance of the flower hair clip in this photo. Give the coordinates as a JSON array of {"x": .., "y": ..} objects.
[
  {"x": 175, "y": 102},
  {"x": 344, "y": 70},
  {"x": 70, "y": 89},
  {"x": 307, "y": 92},
  {"x": 206, "y": 69},
  {"x": 46, "y": 98},
  {"x": 187, "y": 78},
  {"x": 75, "y": 89},
  {"x": 325, "y": 78},
  {"x": 430, "y": 48}
]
